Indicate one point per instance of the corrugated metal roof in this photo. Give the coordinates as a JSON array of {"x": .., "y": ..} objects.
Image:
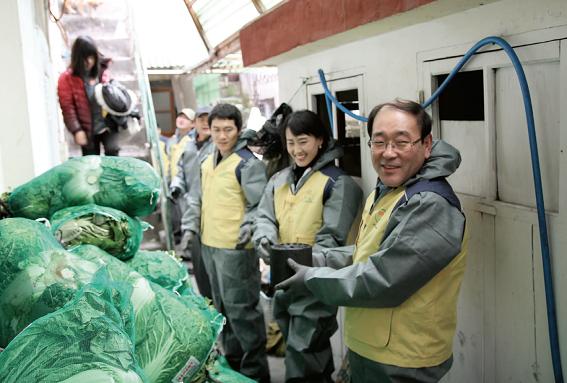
[
  {"x": 221, "y": 18},
  {"x": 169, "y": 38}
]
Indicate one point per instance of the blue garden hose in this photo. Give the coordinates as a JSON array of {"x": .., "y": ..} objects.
[
  {"x": 546, "y": 260},
  {"x": 330, "y": 98}
]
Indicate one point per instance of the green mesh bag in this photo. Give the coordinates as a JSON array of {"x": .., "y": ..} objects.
[
  {"x": 88, "y": 340},
  {"x": 174, "y": 334},
  {"x": 124, "y": 183},
  {"x": 218, "y": 370},
  {"x": 37, "y": 276},
  {"x": 110, "y": 229},
  {"x": 161, "y": 267}
]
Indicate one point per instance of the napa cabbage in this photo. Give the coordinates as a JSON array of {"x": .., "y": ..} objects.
[
  {"x": 90, "y": 339},
  {"x": 174, "y": 333},
  {"x": 37, "y": 276},
  {"x": 161, "y": 267},
  {"x": 107, "y": 228},
  {"x": 123, "y": 183}
]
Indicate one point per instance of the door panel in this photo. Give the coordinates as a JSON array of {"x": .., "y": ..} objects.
[
  {"x": 472, "y": 349},
  {"x": 469, "y": 137},
  {"x": 502, "y": 329},
  {"x": 515, "y": 182}
]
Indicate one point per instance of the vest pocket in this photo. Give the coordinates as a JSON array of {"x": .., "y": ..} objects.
[{"x": 370, "y": 326}]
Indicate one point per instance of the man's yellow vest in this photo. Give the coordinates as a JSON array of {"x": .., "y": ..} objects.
[
  {"x": 419, "y": 332},
  {"x": 175, "y": 152},
  {"x": 300, "y": 215},
  {"x": 223, "y": 202}
]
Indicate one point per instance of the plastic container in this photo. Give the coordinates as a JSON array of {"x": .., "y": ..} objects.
[{"x": 299, "y": 252}]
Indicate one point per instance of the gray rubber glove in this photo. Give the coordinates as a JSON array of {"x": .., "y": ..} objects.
[
  {"x": 187, "y": 240},
  {"x": 244, "y": 236},
  {"x": 295, "y": 283},
  {"x": 173, "y": 195},
  {"x": 264, "y": 250}
]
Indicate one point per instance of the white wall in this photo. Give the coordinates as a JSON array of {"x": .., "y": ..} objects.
[
  {"x": 389, "y": 61},
  {"x": 502, "y": 331},
  {"x": 29, "y": 131}
]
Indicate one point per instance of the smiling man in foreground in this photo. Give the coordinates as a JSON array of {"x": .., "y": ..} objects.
[{"x": 400, "y": 282}]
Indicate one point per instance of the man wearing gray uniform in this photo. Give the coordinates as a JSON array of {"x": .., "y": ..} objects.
[
  {"x": 222, "y": 210},
  {"x": 183, "y": 183},
  {"x": 401, "y": 281}
]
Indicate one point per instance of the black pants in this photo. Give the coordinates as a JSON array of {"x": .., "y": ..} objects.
[
  {"x": 364, "y": 370},
  {"x": 199, "y": 270},
  {"x": 108, "y": 139}
]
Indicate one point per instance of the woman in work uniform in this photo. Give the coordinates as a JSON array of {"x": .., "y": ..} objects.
[{"x": 310, "y": 202}]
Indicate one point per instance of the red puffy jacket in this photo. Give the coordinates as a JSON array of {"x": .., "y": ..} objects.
[{"x": 74, "y": 101}]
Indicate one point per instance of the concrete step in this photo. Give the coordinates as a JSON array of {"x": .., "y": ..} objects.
[
  {"x": 123, "y": 66},
  {"x": 116, "y": 46},
  {"x": 97, "y": 28}
]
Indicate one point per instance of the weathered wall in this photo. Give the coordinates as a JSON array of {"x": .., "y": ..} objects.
[{"x": 29, "y": 130}]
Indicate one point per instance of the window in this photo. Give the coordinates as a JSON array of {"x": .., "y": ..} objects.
[
  {"x": 164, "y": 107},
  {"x": 482, "y": 114},
  {"x": 347, "y": 131}
]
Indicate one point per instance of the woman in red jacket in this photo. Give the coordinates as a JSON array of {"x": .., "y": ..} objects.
[{"x": 81, "y": 112}]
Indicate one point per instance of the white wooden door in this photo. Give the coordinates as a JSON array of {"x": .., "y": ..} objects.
[{"x": 502, "y": 323}]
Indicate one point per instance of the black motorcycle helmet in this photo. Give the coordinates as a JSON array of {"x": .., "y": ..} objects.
[{"x": 269, "y": 136}]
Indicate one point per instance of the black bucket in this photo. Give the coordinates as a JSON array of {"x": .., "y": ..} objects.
[{"x": 280, "y": 270}]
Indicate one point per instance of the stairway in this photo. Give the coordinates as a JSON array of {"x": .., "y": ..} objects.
[{"x": 111, "y": 25}]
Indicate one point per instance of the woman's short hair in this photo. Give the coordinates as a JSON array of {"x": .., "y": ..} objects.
[{"x": 306, "y": 122}]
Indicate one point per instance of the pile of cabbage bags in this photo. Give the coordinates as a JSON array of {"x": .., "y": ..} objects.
[
  {"x": 173, "y": 334},
  {"x": 123, "y": 183},
  {"x": 72, "y": 310},
  {"x": 89, "y": 340}
]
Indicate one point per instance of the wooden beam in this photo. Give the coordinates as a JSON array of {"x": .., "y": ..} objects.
[
  {"x": 198, "y": 25},
  {"x": 260, "y": 7},
  {"x": 229, "y": 45}
]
